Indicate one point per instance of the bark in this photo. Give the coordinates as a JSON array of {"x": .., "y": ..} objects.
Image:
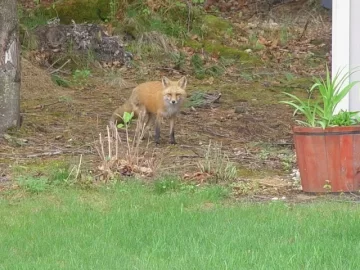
[{"x": 10, "y": 76}]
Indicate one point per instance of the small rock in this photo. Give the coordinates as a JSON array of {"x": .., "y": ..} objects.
[
  {"x": 266, "y": 84},
  {"x": 245, "y": 40},
  {"x": 252, "y": 25},
  {"x": 275, "y": 199},
  {"x": 240, "y": 109},
  {"x": 58, "y": 137}
]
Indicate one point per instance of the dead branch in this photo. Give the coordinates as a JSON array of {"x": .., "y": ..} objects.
[
  {"x": 58, "y": 69},
  {"x": 304, "y": 30},
  {"x": 44, "y": 154}
]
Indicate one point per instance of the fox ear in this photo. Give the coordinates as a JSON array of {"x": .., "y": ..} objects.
[
  {"x": 182, "y": 82},
  {"x": 165, "y": 82}
]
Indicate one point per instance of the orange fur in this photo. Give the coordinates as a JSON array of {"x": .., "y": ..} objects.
[{"x": 156, "y": 100}]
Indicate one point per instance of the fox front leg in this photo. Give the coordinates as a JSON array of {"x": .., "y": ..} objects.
[{"x": 172, "y": 131}]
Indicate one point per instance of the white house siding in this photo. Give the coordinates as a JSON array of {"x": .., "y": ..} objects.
[
  {"x": 341, "y": 42},
  {"x": 354, "y": 52}
]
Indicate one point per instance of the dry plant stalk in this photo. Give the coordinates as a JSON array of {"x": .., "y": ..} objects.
[{"x": 133, "y": 162}]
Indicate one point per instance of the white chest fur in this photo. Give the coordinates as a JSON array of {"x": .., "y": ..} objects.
[{"x": 170, "y": 109}]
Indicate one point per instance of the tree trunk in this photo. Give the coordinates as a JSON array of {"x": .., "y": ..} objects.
[{"x": 10, "y": 68}]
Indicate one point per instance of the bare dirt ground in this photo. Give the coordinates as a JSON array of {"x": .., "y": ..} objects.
[{"x": 63, "y": 124}]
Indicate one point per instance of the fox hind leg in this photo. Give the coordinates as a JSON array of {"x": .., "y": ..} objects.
[
  {"x": 157, "y": 130},
  {"x": 146, "y": 119}
]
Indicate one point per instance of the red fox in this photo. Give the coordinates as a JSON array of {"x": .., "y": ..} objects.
[{"x": 155, "y": 100}]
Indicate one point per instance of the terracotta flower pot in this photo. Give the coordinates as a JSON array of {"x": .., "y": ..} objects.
[{"x": 328, "y": 159}]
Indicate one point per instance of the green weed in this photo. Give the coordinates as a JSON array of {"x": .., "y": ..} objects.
[
  {"x": 179, "y": 60},
  {"x": 198, "y": 66},
  {"x": 201, "y": 71},
  {"x": 167, "y": 184},
  {"x": 33, "y": 184},
  {"x": 60, "y": 81},
  {"x": 80, "y": 76},
  {"x": 196, "y": 99}
]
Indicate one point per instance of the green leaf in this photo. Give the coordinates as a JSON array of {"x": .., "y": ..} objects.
[{"x": 127, "y": 117}]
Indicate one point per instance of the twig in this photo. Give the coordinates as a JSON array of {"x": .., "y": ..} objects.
[
  {"x": 282, "y": 144},
  {"x": 102, "y": 147},
  {"x": 78, "y": 169},
  {"x": 58, "y": 69},
  {"x": 184, "y": 156},
  {"x": 116, "y": 143},
  {"x": 170, "y": 69},
  {"x": 54, "y": 63},
  {"x": 45, "y": 154},
  {"x": 109, "y": 141},
  {"x": 70, "y": 173},
  {"x": 45, "y": 105},
  {"x": 304, "y": 30}
]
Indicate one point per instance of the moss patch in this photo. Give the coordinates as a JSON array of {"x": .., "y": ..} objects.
[
  {"x": 215, "y": 47},
  {"x": 214, "y": 27},
  {"x": 81, "y": 11}
]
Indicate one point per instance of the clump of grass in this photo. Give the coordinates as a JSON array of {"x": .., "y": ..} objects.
[
  {"x": 115, "y": 78},
  {"x": 217, "y": 164},
  {"x": 167, "y": 184},
  {"x": 28, "y": 21},
  {"x": 60, "y": 81},
  {"x": 197, "y": 99},
  {"x": 33, "y": 184},
  {"x": 197, "y": 64},
  {"x": 80, "y": 76},
  {"x": 254, "y": 42},
  {"x": 179, "y": 60},
  {"x": 152, "y": 43},
  {"x": 124, "y": 157},
  {"x": 246, "y": 187},
  {"x": 201, "y": 70},
  {"x": 52, "y": 175}
]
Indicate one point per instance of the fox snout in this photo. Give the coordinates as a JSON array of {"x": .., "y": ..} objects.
[{"x": 172, "y": 99}]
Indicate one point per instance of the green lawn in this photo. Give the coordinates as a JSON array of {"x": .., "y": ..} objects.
[{"x": 130, "y": 226}]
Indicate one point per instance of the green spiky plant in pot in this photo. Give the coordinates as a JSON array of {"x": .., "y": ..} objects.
[{"x": 327, "y": 143}]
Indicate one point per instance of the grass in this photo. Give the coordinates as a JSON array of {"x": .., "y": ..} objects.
[{"x": 132, "y": 226}]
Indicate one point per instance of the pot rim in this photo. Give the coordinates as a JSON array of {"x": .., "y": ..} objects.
[{"x": 302, "y": 129}]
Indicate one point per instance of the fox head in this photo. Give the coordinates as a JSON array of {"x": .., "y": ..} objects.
[{"x": 174, "y": 91}]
